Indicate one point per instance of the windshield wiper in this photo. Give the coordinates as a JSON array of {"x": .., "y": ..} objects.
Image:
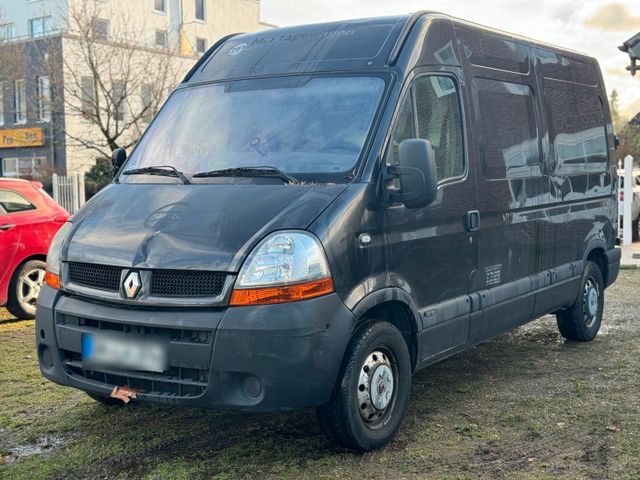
[
  {"x": 161, "y": 170},
  {"x": 264, "y": 171}
]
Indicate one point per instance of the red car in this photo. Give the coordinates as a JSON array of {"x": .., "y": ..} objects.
[{"x": 29, "y": 218}]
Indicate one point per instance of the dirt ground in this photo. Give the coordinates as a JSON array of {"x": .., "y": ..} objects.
[{"x": 526, "y": 405}]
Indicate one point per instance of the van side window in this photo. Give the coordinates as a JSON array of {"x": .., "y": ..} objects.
[
  {"x": 403, "y": 130},
  {"x": 439, "y": 121},
  {"x": 508, "y": 122},
  {"x": 577, "y": 131}
]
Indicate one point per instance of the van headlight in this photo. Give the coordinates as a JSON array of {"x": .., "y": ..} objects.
[
  {"x": 286, "y": 266},
  {"x": 52, "y": 275}
]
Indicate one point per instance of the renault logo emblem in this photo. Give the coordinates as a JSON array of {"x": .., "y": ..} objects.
[{"x": 131, "y": 284}]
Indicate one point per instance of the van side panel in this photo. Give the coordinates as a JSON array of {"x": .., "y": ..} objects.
[
  {"x": 544, "y": 182},
  {"x": 513, "y": 190},
  {"x": 578, "y": 160}
]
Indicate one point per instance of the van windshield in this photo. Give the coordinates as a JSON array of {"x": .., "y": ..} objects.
[{"x": 299, "y": 125}]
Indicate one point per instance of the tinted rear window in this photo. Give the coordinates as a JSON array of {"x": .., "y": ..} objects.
[
  {"x": 510, "y": 147},
  {"x": 577, "y": 131}
]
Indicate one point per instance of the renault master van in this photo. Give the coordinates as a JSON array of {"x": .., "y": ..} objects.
[{"x": 318, "y": 212}]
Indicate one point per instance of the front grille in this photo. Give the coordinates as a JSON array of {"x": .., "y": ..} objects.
[
  {"x": 180, "y": 382},
  {"x": 181, "y": 283},
  {"x": 102, "y": 277},
  {"x": 164, "y": 283}
]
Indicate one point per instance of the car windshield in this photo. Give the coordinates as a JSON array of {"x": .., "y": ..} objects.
[{"x": 299, "y": 125}]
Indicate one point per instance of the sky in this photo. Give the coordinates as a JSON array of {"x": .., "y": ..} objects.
[{"x": 595, "y": 27}]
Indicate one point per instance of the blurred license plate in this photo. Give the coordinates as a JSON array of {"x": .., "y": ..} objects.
[{"x": 125, "y": 353}]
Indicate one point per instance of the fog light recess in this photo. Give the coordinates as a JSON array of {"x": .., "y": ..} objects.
[{"x": 251, "y": 386}]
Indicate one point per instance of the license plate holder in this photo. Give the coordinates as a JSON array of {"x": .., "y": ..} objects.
[{"x": 125, "y": 353}]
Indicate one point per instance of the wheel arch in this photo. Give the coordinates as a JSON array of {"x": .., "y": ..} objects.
[
  {"x": 595, "y": 253},
  {"x": 16, "y": 266},
  {"x": 395, "y": 306}
]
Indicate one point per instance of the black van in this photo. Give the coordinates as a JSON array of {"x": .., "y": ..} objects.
[{"x": 317, "y": 212}]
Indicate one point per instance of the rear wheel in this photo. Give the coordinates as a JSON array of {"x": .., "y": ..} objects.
[
  {"x": 635, "y": 230},
  {"x": 24, "y": 289},
  {"x": 370, "y": 402},
  {"x": 581, "y": 321}
]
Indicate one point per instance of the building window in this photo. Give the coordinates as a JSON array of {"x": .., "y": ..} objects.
[
  {"x": 201, "y": 45},
  {"x": 88, "y": 96},
  {"x": 19, "y": 102},
  {"x": 7, "y": 31},
  {"x": 200, "y": 13},
  {"x": 160, "y": 6},
  {"x": 1, "y": 103},
  {"x": 40, "y": 26},
  {"x": 100, "y": 29},
  {"x": 19, "y": 167},
  {"x": 118, "y": 96},
  {"x": 161, "y": 38},
  {"x": 147, "y": 100},
  {"x": 44, "y": 99}
]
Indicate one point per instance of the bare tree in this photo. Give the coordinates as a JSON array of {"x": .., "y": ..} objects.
[{"x": 113, "y": 82}]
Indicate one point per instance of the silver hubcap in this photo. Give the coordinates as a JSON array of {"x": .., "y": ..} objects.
[
  {"x": 375, "y": 386},
  {"x": 591, "y": 300},
  {"x": 29, "y": 289}
]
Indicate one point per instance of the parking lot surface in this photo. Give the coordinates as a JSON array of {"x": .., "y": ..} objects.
[{"x": 526, "y": 405}]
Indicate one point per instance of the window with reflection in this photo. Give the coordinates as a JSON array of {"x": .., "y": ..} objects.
[
  {"x": 510, "y": 146},
  {"x": 577, "y": 131},
  {"x": 431, "y": 111}
]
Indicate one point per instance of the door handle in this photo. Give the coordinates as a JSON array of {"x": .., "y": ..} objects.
[
  {"x": 6, "y": 226},
  {"x": 472, "y": 220}
]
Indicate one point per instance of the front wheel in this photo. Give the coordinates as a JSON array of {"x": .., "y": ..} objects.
[{"x": 370, "y": 402}]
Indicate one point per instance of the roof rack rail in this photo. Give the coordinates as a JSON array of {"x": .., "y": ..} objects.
[
  {"x": 206, "y": 56},
  {"x": 404, "y": 34}
]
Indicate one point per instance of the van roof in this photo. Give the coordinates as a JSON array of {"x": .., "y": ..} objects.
[{"x": 370, "y": 43}]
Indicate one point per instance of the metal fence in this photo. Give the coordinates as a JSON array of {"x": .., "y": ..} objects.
[
  {"x": 68, "y": 191},
  {"x": 626, "y": 198}
]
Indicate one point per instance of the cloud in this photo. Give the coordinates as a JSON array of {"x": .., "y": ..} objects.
[
  {"x": 613, "y": 17},
  {"x": 627, "y": 112}
]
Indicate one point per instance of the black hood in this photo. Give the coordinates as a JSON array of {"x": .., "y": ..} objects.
[{"x": 201, "y": 227}]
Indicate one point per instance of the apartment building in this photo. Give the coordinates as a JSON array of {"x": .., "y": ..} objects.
[{"x": 48, "y": 90}]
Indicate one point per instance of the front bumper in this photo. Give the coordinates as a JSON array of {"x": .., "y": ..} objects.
[{"x": 272, "y": 357}]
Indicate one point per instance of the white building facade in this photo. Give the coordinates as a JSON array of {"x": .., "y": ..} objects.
[{"x": 44, "y": 125}]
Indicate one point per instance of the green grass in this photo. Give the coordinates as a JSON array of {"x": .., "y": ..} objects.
[{"x": 524, "y": 406}]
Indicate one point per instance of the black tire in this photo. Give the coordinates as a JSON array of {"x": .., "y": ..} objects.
[
  {"x": 635, "y": 230},
  {"x": 24, "y": 289},
  {"x": 581, "y": 321},
  {"x": 107, "y": 401},
  {"x": 343, "y": 417}
]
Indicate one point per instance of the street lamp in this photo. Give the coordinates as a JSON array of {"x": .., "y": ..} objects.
[{"x": 632, "y": 47}]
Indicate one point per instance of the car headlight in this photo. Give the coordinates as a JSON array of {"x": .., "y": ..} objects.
[
  {"x": 285, "y": 267},
  {"x": 52, "y": 275}
]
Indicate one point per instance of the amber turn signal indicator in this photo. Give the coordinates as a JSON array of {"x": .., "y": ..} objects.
[
  {"x": 288, "y": 293},
  {"x": 52, "y": 280}
]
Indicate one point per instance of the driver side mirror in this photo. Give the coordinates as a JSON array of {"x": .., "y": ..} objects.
[
  {"x": 118, "y": 157},
  {"x": 417, "y": 172}
]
